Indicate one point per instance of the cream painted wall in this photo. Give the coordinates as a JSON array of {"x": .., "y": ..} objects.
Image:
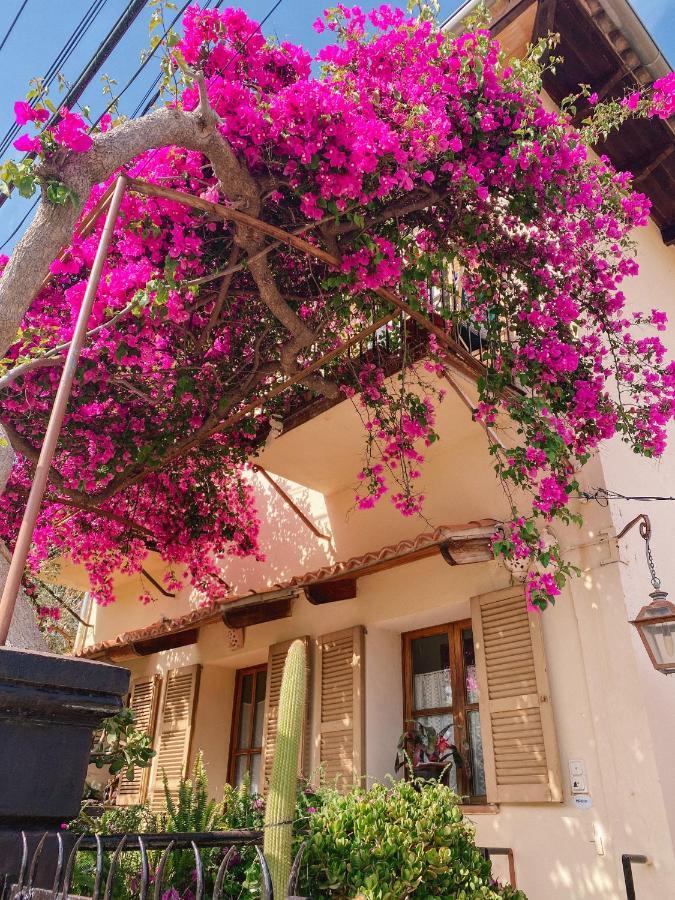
[
  {"x": 560, "y": 851},
  {"x": 611, "y": 709},
  {"x": 632, "y": 475}
]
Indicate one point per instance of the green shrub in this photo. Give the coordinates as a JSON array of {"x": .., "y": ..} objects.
[
  {"x": 191, "y": 810},
  {"x": 405, "y": 840}
]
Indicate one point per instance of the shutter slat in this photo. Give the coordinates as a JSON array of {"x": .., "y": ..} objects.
[
  {"x": 173, "y": 746},
  {"x": 519, "y": 746},
  {"x": 143, "y": 702},
  {"x": 275, "y": 669},
  {"x": 338, "y": 707}
]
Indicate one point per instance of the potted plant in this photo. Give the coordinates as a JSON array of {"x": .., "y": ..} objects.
[{"x": 425, "y": 752}]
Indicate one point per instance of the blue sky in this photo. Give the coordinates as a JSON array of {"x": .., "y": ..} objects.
[{"x": 45, "y": 25}]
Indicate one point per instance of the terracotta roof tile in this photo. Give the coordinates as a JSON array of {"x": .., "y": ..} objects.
[{"x": 350, "y": 567}]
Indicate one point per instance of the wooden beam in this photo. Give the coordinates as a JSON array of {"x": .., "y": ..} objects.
[
  {"x": 331, "y": 591},
  {"x": 165, "y": 642},
  {"x": 257, "y": 613},
  {"x": 668, "y": 234},
  {"x": 463, "y": 551},
  {"x": 642, "y": 169}
]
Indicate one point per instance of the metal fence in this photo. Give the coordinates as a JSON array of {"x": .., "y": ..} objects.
[{"x": 50, "y": 859}]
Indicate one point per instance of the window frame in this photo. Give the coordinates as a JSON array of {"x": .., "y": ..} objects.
[
  {"x": 460, "y": 707},
  {"x": 249, "y": 751}
]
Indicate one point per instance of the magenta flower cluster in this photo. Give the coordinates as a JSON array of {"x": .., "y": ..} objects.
[{"x": 426, "y": 156}]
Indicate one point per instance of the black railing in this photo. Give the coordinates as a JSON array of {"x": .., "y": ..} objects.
[
  {"x": 48, "y": 863},
  {"x": 627, "y": 861}
]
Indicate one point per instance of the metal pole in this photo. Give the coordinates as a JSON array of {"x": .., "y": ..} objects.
[{"x": 41, "y": 477}]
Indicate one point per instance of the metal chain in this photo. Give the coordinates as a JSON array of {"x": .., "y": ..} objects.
[{"x": 656, "y": 581}]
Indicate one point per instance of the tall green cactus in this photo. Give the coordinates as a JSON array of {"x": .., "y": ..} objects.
[{"x": 280, "y": 807}]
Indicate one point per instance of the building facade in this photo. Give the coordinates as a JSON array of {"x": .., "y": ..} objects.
[{"x": 566, "y": 730}]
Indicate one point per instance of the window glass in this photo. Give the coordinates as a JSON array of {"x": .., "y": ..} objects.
[
  {"x": 247, "y": 726},
  {"x": 442, "y": 692},
  {"x": 431, "y": 672},
  {"x": 469, "y": 654}
]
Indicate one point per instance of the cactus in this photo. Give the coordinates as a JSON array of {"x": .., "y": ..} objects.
[{"x": 281, "y": 793}]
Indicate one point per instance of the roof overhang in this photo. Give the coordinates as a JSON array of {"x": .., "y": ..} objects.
[{"x": 458, "y": 544}]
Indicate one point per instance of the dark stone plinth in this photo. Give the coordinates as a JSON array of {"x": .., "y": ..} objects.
[{"x": 49, "y": 708}]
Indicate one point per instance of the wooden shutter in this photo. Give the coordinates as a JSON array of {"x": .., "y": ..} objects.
[
  {"x": 173, "y": 744},
  {"x": 518, "y": 733},
  {"x": 338, "y": 707},
  {"x": 143, "y": 701},
  {"x": 275, "y": 669}
]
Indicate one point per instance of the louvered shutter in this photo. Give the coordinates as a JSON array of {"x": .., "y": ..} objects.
[
  {"x": 339, "y": 707},
  {"x": 275, "y": 668},
  {"x": 173, "y": 743},
  {"x": 143, "y": 700},
  {"x": 518, "y": 732}
]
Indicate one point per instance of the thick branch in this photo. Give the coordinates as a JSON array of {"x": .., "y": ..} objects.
[{"x": 52, "y": 227}]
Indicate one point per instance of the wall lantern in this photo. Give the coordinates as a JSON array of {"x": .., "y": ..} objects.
[{"x": 656, "y": 620}]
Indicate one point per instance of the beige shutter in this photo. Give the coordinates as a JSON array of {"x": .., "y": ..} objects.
[
  {"x": 338, "y": 707},
  {"x": 173, "y": 743},
  {"x": 275, "y": 669},
  {"x": 518, "y": 732},
  {"x": 143, "y": 701}
]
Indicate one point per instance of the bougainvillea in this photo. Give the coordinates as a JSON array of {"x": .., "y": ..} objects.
[{"x": 426, "y": 167}]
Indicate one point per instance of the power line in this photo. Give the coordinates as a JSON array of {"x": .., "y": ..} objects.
[
  {"x": 14, "y": 21},
  {"x": 135, "y": 75},
  {"x": 60, "y": 60}
]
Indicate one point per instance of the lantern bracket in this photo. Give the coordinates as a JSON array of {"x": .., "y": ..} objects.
[{"x": 645, "y": 528}]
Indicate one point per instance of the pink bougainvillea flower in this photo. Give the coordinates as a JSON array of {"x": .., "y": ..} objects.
[
  {"x": 71, "y": 132},
  {"x": 24, "y": 113},
  {"x": 28, "y": 144}
]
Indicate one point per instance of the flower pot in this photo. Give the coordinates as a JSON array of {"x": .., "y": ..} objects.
[
  {"x": 49, "y": 708},
  {"x": 432, "y": 771}
]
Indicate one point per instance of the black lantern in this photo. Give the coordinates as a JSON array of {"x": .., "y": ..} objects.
[{"x": 656, "y": 620}]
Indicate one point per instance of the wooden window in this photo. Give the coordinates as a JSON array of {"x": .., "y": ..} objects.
[
  {"x": 246, "y": 736},
  {"x": 275, "y": 669},
  {"x": 440, "y": 690},
  {"x": 521, "y": 753},
  {"x": 173, "y": 743},
  {"x": 339, "y": 707},
  {"x": 143, "y": 700}
]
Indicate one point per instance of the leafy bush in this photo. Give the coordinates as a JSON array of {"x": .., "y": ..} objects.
[
  {"x": 406, "y": 840},
  {"x": 191, "y": 811}
]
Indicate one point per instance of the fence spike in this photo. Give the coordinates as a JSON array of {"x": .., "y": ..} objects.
[
  {"x": 107, "y": 893},
  {"x": 268, "y": 890},
  {"x": 69, "y": 867},
  {"x": 37, "y": 853},
  {"x": 160, "y": 870},
  {"x": 145, "y": 868},
  {"x": 199, "y": 868},
  {"x": 59, "y": 866},
  {"x": 292, "y": 888},
  {"x": 99, "y": 867},
  {"x": 24, "y": 862},
  {"x": 222, "y": 870}
]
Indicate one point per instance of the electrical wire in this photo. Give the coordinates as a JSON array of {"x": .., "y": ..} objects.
[
  {"x": 138, "y": 71},
  {"x": 603, "y": 496},
  {"x": 13, "y": 23},
  {"x": 60, "y": 60}
]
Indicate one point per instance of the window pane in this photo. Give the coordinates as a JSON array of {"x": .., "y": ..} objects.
[
  {"x": 470, "y": 684},
  {"x": 431, "y": 672},
  {"x": 476, "y": 752},
  {"x": 438, "y": 723},
  {"x": 240, "y": 768},
  {"x": 260, "y": 685},
  {"x": 245, "y": 712},
  {"x": 256, "y": 787}
]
